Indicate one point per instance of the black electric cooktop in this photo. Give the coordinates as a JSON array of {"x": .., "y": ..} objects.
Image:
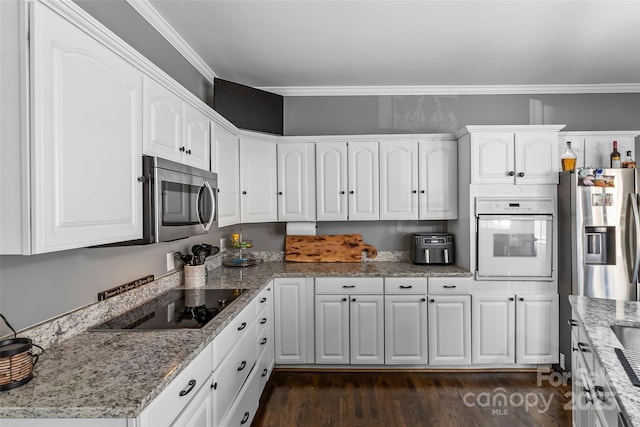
[{"x": 176, "y": 309}]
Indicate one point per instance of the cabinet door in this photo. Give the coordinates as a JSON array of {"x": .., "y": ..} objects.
[
  {"x": 293, "y": 314},
  {"x": 364, "y": 193},
  {"x": 537, "y": 329},
  {"x": 399, "y": 180},
  {"x": 258, "y": 181},
  {"x": 163, "y": 117},
  {"x": 197, "y": 138},
  {"x": 366, "y": 324},
  {"x": 331, "y": 181},
  {"x": 581, "y": 400},
  {"x": 296, "y": 182},
  {"x": 449, "y": 329},
  {"x": 332, "y": 329},
  {"x": 438, "y": 180},
  {"x": 86, "y": 141},
  {"x": 405, "y": 325},
  {"x": 199, "y": 412},
  {"x": 536, "y": 157},
  {"x": 492, "y": 158},
  {"x": 227, "y": 165},
  {"x": 493, "y": 329}
]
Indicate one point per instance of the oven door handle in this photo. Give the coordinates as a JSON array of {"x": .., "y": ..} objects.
[
  {"x": 633, "y": 242},
  {"x": 516, "y": 217},
  {"x": 206, "y": 223}
]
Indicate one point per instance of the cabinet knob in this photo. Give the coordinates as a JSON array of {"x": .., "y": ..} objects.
[
  {"x": 422, "y": 191},
  {"x": 414, "y": 191},
  {"x": 351, "y": 191},
  {"x": 512, "y": 299},
  {"x": 521, "y": 299},
  {"x": 244, "y": 192},
  {"x": 520, "y": 174},
  {"x": 353, "y": 300},
  {"x": 511, "y": 173},
  {"x": 342, "y": 192},
  {"x": 214, "y": 386},
  {"x": 279, "y": 193},
  {"x": 572, "y": 322},
  {"x": 189, "y": 151},
  {"x": 141, "y": 179},
  {"x": 583, "y": 347},
  {"x": 344, "y": 299},
  {"x": 182, "y": 149},
  {"x": 423, "y": 299},
  {"x": 432, "y": 300}
]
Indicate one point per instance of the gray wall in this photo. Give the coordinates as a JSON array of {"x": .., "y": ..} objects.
[{"x": 428, "y": 114}]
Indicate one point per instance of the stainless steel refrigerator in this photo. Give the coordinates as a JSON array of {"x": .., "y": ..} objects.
[{"x": 598, "y": 252}]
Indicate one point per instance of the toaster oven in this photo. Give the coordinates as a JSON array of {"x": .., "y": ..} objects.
[{"x": 432, "y": 248}]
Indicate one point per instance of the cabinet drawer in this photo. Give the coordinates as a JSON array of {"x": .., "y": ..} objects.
[
  {"x": 264, "y": 298},
  {"x": 245, "y": 407},
  {"x": 405, "y": 285},
  {"x": 349, "y": 285},
  {"x": 450, "y": 285},
  {"x": 232, "y": 373},
  {"x": 166, "y": 407},
  {"x": 232, "y": 333}
]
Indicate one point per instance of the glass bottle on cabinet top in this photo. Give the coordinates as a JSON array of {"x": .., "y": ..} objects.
[
  {"x": 568, "y": 158},
  {"x": 628, "y": 161},
  {"x": 615, "y": 156}
]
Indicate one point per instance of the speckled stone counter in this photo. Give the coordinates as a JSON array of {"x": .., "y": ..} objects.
[
  {"x": 597, "y": 315},
  {"x": 117, "y": 374}
]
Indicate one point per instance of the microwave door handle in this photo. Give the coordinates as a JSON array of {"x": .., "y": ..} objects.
[
  {"x": 633, "y": 242},
  {"x": 206, "y": 224}
]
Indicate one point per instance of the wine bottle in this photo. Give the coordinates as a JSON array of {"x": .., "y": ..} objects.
[{"x": 615, "y": 156}]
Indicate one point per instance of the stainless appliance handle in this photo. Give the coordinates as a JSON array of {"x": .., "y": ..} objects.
[
  {"x": 446, "y": 256},
  {"x": 426, "y": 256},
  {"x": 632, "y": 237},
  {"x": 206, "y": 224}
]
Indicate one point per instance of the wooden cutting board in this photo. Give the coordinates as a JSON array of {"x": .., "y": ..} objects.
[{"x": 327, "y": 248}]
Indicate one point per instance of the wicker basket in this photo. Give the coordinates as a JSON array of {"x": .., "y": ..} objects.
[{"x": 16, "y": 360}]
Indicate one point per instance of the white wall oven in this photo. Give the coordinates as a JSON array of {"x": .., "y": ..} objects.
[{"x": 514, "y": 239}]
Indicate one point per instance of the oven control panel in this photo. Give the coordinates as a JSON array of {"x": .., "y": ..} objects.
[{"x": 514, "y": 206}]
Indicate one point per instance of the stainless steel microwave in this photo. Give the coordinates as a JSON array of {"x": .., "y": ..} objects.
[{"x": 178, "y": 201}]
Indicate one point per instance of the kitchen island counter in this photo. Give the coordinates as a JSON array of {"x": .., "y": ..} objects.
[
  {"x": 116, "y": 374},
  {"x": 597, "y": 315}
]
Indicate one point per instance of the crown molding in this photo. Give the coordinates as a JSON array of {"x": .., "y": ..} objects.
[
  {"x": 157, "y": 21},
  {"x": 453, "y": 90}
]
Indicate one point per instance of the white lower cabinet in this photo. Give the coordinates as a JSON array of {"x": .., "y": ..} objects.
[
  {"x": 176, "y": 401},
  {"x": 493, "y": 329},
  {"x": 199, "y": 412},
  {"x": 349, "y": 324},
  {"x": 537, "y": 329},
  {"x": 293, "y": 317},
  {"x": 405, "y": 321},
  {"x": 449, "y": 329}
]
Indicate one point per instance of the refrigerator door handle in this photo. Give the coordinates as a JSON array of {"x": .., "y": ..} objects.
[{"x": 633, "y": 242}]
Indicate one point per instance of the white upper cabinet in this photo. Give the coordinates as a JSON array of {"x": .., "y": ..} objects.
[
  {"x": 197, "y": 138},
  {"x": 364, "y": 186},
  {"x": 399, "y": 180},
  {"x": 296, "y": 181},
  {"x": 347, "y": 181},
  {"x": 331, "y": 181},
  {"x": 258, "y": 180},
  {"x": 86, "y": 141},
  {"x": 174, "y": 129},
  {"x": 418, "y": 179},
  {"x": 512, "y": 155},
  {"x": 438, "y": 179},
  {"x": 226, "y": 163}
]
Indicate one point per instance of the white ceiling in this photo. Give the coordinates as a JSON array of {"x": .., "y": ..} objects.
[{"x": 310, "y": 44}]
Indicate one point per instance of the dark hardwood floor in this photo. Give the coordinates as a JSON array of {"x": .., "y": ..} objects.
[{"x": 413, "y": 399}]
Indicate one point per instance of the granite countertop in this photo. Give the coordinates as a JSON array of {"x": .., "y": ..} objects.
[
  {"x": 597, "y": 315},
  {"x": 116, "y": 374}
]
